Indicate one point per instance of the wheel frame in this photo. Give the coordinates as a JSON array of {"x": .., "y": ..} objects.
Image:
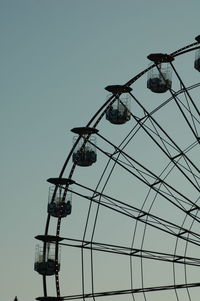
[{"x": 93, "y": 124}]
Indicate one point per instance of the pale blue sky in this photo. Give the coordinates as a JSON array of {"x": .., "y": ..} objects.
[{"x": 56, "y": 58}]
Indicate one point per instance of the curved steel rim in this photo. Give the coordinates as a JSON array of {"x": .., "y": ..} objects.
[{"x": 98, "y": 116}]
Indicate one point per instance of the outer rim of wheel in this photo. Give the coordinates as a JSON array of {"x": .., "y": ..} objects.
[{"x": 97, "y": 117}]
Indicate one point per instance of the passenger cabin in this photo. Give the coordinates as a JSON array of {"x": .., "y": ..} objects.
[
  {"x": 59, "y": 205},
  {"x": 85, "y": 152},
  {"x": 47, "y": 266},
  {"x": 197, "y": 60},
  {"x": 159, "y": 78},
  {"x": 119, "y": 111}
]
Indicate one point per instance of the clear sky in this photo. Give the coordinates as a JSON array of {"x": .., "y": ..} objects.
[{"x": 56, "y": 58}]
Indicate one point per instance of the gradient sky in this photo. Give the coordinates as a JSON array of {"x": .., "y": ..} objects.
[{"x": 56, "y": 58}]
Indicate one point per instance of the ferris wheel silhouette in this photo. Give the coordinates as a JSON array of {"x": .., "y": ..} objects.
[{"x": 125, "y": 206}]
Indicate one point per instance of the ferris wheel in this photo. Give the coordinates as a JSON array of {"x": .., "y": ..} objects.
[{"x": 123, "y": 215}]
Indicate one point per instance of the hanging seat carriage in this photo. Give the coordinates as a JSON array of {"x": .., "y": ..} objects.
[
  {"x": 47, "y": 265},
  {"x": 197, "y": 60},
  {"x": 85, "y": 151},
  {"x": 159, "y": 78},
  {"x": 61, "y": 205}
]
